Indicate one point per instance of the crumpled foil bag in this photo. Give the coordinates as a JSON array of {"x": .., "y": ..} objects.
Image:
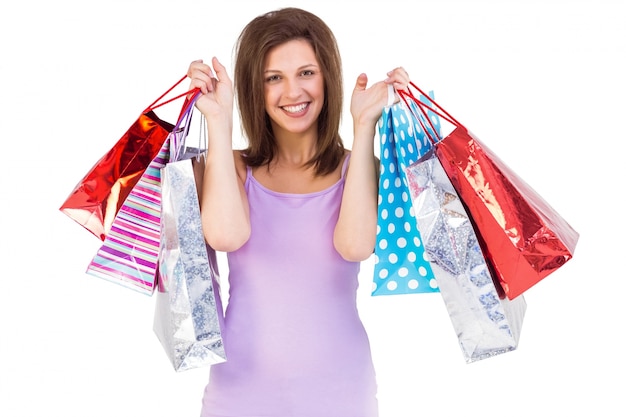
[
  {"x": 188, "y": 316},
  {"x": 96, "y": 199},
  {"x": 485, "y": 323},
  {"x": 521, "y": 235},
  {"x": 524, "y": 238}
]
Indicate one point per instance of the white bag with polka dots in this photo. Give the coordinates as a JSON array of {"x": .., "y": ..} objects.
[{"x": 400, "y": 264}]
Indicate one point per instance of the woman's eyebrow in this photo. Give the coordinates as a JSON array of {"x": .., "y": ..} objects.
[{"x": 298, "y": 69}]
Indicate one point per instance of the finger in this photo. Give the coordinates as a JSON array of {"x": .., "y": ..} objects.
[
  {"x": 361, "y": 82},
  {"x": 193, "y": 66},
  {"x": 200, "y": 80},
  {"x": 398, "y": 77},
  {"x": 195, "y": 85},
  {"x": 200, "y": 75},
  {"x": 399, "y": 71},
  {"x": 400, "y": 85},
  {"x": 220, "y": 71}
]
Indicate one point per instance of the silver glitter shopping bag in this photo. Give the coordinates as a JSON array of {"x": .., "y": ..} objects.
[
  {"x": 188, "y": 317},
  {"x": 485, "y": 323}
]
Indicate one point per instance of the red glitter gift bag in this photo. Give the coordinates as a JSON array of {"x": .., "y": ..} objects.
[
  {"x": 98, "y": 196},
  {"x": 524, "y": 239}
]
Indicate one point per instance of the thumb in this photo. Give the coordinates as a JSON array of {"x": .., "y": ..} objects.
[
  {"x": 220, "y": 70},
  {"x": 361, "y": 82}
]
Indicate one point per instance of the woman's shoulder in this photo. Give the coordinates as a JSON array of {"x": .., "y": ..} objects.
[{"x": 345, "y": 161}]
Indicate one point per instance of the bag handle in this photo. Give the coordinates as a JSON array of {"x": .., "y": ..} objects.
[
  {"x": 178, "y": 142},
  {"x": 423, "y": 108},
  {"x": 181, "y": 128},
  {"x": 154, "y": 105},
  {"x": 181, "y": 147}
]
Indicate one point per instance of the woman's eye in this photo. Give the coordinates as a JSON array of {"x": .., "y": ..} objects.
[
  {"x": 307, "y": 73},
  {"x": 272, "y": 78}
]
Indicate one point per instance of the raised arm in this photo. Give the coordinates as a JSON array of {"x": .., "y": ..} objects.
[
  {"x": 355, "y": 232},
  {"x": 223, "y": 203}
]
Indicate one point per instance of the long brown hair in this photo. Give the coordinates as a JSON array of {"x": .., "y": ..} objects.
[{"x": 255, "y": 41}]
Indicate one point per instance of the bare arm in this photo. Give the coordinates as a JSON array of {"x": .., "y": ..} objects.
[
  {"x": 355, "y": 232},
  {"x": 224, "y": 205}
]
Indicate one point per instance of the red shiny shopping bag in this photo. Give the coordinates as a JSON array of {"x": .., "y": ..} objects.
[
  {"x": 523, "y": 237},
  {"x": 98, "y": 196}
]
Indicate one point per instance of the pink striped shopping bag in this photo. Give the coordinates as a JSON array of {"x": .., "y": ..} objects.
[{"x": 129, "y": 253}]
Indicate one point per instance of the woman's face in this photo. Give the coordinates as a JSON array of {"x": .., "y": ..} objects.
[{"x": 294, "y": 87}]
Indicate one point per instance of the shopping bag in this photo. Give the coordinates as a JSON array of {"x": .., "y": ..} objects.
[
  {"x": 188, "y": 315},
  {"x": 523, "y": 238},
  {"x": 129, "y": 252},
  {"x": 400, "y": 266},
  {"x": 96, "y": 199},
  {"x": 485, "y": 324}
]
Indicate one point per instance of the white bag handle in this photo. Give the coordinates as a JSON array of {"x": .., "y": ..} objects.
[{"x": 391, "y": 95}]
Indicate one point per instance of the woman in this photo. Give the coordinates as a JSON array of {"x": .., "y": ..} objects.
[{"x": 296, "y": 213}]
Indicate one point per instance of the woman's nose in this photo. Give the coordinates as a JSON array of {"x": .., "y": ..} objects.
[{"x": 292, "y": 88}]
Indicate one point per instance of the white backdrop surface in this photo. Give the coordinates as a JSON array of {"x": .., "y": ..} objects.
[{"x": 540, "y": 82}]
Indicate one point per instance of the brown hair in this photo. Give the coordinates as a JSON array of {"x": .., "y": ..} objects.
[{"x": 255, "y": 41}]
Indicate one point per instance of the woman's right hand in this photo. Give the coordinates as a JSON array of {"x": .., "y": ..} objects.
[{"x": 216, "y": 87}]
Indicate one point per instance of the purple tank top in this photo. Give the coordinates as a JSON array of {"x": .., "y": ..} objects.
[{"x": 295, "y": 344}]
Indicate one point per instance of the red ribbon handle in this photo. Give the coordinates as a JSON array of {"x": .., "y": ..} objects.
[
  {"x": 193, "y": 92},
  {"x": 423, "y": 107}
]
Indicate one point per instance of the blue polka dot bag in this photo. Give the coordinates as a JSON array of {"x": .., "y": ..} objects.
[{"x": 400, "y": 263}]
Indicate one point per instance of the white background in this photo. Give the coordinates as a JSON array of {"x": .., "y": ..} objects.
[{"x": 540, "y": 82}]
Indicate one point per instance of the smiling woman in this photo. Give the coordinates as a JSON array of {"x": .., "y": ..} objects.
[
  {"x": 267, "y": 36},
  {"x": 296, "y": 212},
  {"x": 294, "y": 95},
  {"x": 516, "y": 71}
]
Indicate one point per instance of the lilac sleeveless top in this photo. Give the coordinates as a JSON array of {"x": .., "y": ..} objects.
[{"x": 295, "y": 344}]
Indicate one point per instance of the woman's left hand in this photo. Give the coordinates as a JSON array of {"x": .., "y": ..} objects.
[
  {"x": 367, "y": 103},
  {"x": 399, "y": 79}
]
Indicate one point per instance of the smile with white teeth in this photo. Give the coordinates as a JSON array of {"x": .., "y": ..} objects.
[{"x": 295, "y": 109}]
